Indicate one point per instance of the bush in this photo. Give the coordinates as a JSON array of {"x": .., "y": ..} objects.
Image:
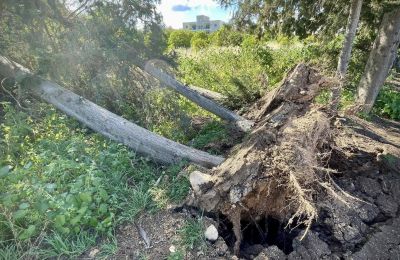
[
  {"x": 179, "y": 39},
  {"x": 232, "y": 71},
  {"x": 225, "y": 36},
  {"x": 199, "y": 40},
  {"x": 388, "y": 103}
]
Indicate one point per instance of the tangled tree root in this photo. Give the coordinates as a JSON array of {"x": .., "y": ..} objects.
[{"x": 279, "y": 169}]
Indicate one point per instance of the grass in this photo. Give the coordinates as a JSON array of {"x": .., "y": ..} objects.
[
  {"x": 57, "y": 246},
  {"x": 71, "y": 186},
  {"x": 192, "y": 234},
  {"x": 10, "y": 252}
]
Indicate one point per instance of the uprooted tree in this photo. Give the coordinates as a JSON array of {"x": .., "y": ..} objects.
[
  {"x": 276, "y": 170},
  {"x": 280, "y": 169}
]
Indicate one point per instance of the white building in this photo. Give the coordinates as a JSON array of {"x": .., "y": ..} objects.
[{"x": 203, "y": 23}]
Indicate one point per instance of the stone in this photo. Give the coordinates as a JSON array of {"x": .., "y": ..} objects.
[
  {"x": 369, "y": 186},
  {"x": 211, "y": 233},
  {"x": 93, "y": 252},
  {"x": 271, "y": 253},
  {"x": 311, "y": 247},
  {"x": 172, "y": 249},
  {"x": 220, "y": 247},
  {"x": 387, "y": 204},
  {"x": 383, "y": 244}
]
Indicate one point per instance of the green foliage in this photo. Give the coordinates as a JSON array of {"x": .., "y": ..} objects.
[
  {"x": 173, "y": 188},
  {"x": 180, "y": 39},
  {"x": 95, "y": 53},
  {"x": 178, "y": 255},
  {"x": 57, "y": 246},
  {"x": 323, "y": 97},
  {"x": 388, "y": 103},
  {"x": 226, "y": 36},
  {"x": 169, "y": 114},
  {"x": 10, "y": 252},
  {"x": 214, "y": 131},
  {"x": 192, "y": 234},
  {"x": 216, "y": 68},
  {"x": 57, "y": 176},
  {"x": 199, "y": 40},
  {"x": 242, "y": 73}
]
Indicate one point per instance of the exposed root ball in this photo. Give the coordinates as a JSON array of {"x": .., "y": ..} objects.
[{"x": 277, "y": 171}]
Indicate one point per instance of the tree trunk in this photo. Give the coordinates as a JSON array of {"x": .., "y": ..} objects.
[
  {"x": 217, "y": 97},
  {"x": 192, "y": 95},
  {"x": 106, "y": 123},
  {"x": 345, "y": 54},
  {"x": 380, "y": 60}
]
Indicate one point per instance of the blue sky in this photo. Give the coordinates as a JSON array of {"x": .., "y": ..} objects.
[{"x": 175, "y": 12}]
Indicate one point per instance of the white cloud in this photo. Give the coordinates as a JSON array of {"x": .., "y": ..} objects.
[{"x": 175, "y": 19}]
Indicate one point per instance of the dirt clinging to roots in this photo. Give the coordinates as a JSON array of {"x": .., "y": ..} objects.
[{"x": 292, "y": 171}]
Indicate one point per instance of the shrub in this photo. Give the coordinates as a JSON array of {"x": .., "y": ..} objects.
[
  {"x": 199, "y": 40},
  {"x": 388, "y": 103},
  {"x": 226, "y": 36},
  {"x": 180, "y": 39}
]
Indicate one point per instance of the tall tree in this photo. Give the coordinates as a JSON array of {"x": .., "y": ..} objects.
[
  {"x": 380, "y": 60},
  {"x": 352, "y": 24},
  {"x": 345, "y": 54}
]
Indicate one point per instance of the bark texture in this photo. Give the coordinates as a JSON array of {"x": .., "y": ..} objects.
[
  {"x": 208, "y": 93},
  {"x": 106, "y": 123},
  {"x": 345, "y": 54},
  {"x": 274, "y": 172},
  {"x": 380, "y": 60},
  {"x": 199, "y": 99},
  {"x": 351, "y": 29}
]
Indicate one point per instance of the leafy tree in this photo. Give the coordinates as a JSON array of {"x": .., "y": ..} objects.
[
  {"x": 300, "y": 17},
  {"x": 94, "y": 49},
  {"x": 226, "y": 36},
  {"x": 199, "y": 40},
  {"x": 180, "y": 39}
]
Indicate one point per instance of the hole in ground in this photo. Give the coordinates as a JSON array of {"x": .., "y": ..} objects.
[{"x": 258, "y": 235}]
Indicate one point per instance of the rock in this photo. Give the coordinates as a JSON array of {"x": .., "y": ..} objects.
[
  {"x": 369, "y": 186},
  {"x": 311, "y": 247},
  {"x": 211, "y": 233},
  {"x": 271, "y": 253},
  {"x": 198, "y": 180},
  {"x": 93, "y": 252},
  {"x": 345, "y": 224},
  {"x": 220, "y": 247},
  {"x": 252, "y": 251},
  {"x": 387, "y": 205},
  {"x": 367, "y": 212},
  {"x": 172, "y": 249},
  {"x": 383, "y": 244}
]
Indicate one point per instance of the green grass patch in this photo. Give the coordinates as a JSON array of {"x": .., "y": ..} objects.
[{"x": 71, "y": 185}]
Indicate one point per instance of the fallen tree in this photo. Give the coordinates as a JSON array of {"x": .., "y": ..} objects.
[
  {"x": 217, "y": 97},
  {"x": 289, "y": 169},
  {"x": 106, "y": 123},
  {"x": 209, "y": 105},
  {"x": 278, "y": 169}
]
